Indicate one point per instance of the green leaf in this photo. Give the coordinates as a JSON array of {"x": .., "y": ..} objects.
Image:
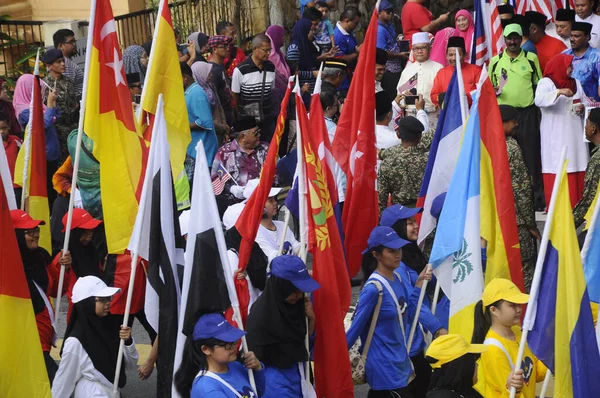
[{"x": 30, "y": 54}]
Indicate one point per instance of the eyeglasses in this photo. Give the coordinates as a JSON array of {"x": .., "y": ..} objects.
[
  {"x": 266, "y": 50},
  {"x": 71, "y": 42},
  {"x": 227, "y": 346},
  {"x": 103, "y": 300},
  {"x": 32, "y": 232}
]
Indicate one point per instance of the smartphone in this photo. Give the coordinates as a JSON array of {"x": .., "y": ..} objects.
[
  {"x": 404, "y": 46},
  {"x": 411, "y": 99}
]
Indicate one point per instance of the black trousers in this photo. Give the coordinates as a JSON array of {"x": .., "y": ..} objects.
[
  {"x": 51, "y": 366},
  {"x": 420, "y": 385},
  {"x": 528, "y": 138},
  {"x": 397, "y": 393}
]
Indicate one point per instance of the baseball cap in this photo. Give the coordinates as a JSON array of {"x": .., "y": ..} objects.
[
  {"x": 397, "y": 212},
  {"x": 22, "y": 220},
  {"x": 232, "y": 214},
  {"x": 437, "y": 205},
  {"x": 293, "y": 269},
  {"x": 513, "y": 28},
  {"x": 81, "y": 219},
  {"x": 91, "y": 286},
  {"x": 503, "y": 289},
  {"x": 215, "y": 326},
  {"x": 449, "y": 347},
  {"x": 251, "y": 187},
  {"x": 386, "y": 237},
  {"x": 51, "y": 55},
  {"x": 385, "y": 5}
]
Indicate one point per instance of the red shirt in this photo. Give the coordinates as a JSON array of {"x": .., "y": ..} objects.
[
  {"x": 42, "y": 319},
  {"x": 11, "y": 147},
  {"x": 470, "y": 73},
  {"x": 547, "y": 48},
  {"x": 414, "y": 17}
]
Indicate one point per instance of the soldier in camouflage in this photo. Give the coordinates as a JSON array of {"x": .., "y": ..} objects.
[
  {"x": 523, "y": 194},
  {"x": 403, "y": 166},
  {"x": 66, "y": 101},
  {"x": 592, "y": 171}
]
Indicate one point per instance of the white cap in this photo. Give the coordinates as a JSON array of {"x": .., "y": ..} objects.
[
  {"x": 420, "y": 38},
  {"x": 251, "y": 186},
  {"x": 232, "y": 214},
  {"x": 91, "y": 286},
  {"x": 184, "y": 222}
]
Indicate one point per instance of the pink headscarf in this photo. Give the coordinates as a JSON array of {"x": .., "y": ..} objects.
[
  {"x": 440, "y": 42},
  {"x": 276, "y": 34},
  {"x": 467, "y": 34},
  {"x": 22, "y": 96}
]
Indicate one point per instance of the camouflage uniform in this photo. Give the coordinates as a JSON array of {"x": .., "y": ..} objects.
[
  {"x": 590, "y": 186},
  {"x": 69, "y": 110},
  {"x": 401, "y": 172},
  {"x": 523, "y": 193}
]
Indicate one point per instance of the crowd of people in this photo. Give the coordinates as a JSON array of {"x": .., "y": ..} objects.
[{"x": 547, "y": 82}]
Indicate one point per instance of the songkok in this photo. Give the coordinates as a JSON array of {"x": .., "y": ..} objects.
[
  {"x": 420, "y": 38},
  {"x": 243, "y": 124},
  {"x": 383, "y": 103},
  {"x": 536, "y": 18},
  {"x": 594, "y": 116},
  {"x": 584, "y": 27},
  {"x": 456, "y": 41},
  {"x": 381, "y": 57},
  {"x": 508, "y": 113},
  {"x": 505, "y": 9},
  {"x": 409, "y": 124},
  {"x": 565, "y": 15},
  {"x": 132, "y": 78}
]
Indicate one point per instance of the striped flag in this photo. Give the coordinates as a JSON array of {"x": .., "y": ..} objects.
[
  {"x": 488, "y": 40},
  {"x": 218, "y": 183},
  {"x": 546, "y": 7},
  {"x": 410, "y": 84},
  {"x": 590, "y": 255}
]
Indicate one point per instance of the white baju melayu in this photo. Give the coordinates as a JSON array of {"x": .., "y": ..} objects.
[
  {"x": 269, "y": 240},
  {"x": 551, "y": 31},
  {"x": 77, "y": 376},
  {"x": 559, "y": 127},
  {"x": 427, "y": 71},
  {"x": 595, "y": 35}
]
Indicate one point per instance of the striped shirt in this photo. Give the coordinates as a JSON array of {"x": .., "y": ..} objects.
[
  {"x": 247, "y": 81},
  {"x": 74, "y": 72}
]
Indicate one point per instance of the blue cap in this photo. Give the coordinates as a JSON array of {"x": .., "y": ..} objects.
[
  {"x": 215, "y": 326},
  {"x": 51, "y": 55},
  {"x": 437, "y": 204},
  {"x": 386, "y": 237},
  {"x": 292, "y": 268},
  {"x": 397, "y": 212},
  {"x": 385, "y": 5}
]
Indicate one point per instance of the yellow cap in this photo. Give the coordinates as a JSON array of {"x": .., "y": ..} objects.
[
  {"x": 503, "y": 289},
  {"x": 449, "y": 347}
]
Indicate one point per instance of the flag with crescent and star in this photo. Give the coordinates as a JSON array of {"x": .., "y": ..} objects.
[{"x": 110, "y": 124}]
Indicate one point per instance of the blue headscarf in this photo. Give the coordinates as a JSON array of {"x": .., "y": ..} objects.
[{"x": 308, "y": 52}]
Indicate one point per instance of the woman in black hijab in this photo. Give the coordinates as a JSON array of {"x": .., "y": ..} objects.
[
  {"x": 277, "y": 326},
  {"x": 91, "y": 344},
  {"x": 42, "y": 275}
]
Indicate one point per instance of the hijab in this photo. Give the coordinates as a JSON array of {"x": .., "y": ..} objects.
[
  {"x": 308, "y": 52},
  {"x": 455, "y": 376},
  {"x": 34, "y": 264},
  {"x": 276, "y": 329},
  {"x": 86, "y": 260},
  {"x": 440, "y": 42},
  {"x": 200, "y": 40},
  {"x": 467, "y": 34},
  {"x": 412, "y": 255},
  {"x": 276, "y": 34},
  {"x": 257, "y": 264},
  {"x": 22, "y": 96},
  {"x": 99, "y": 337},
  {"x": 200, "y": 71},
  {"x": 556, "y": 70},
  {"x": 131, "y": 61}
]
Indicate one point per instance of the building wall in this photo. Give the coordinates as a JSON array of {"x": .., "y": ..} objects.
[{"x": 50, "y": 10}]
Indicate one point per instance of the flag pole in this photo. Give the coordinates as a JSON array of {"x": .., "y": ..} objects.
[
  {"x": 537, "y": 276},
  {"x": 436, "y": 296},
  {"x": 286, "y": 223},
  {"x": 546, "y": 382},
  {"x": 464, "y": 106},
  {"x": 413, "y": 327},
  {"x": 27, "y": 143},
  {"x": 86, "y": 77}
]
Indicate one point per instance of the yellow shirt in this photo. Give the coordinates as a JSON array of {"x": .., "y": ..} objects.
[{"x": 495, "y": 367}]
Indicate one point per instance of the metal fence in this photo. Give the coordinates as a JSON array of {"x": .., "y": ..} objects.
[{"x": 17, "y": 40}]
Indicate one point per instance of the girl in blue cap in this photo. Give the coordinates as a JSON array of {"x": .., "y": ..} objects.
[
  {"x": 388, "y": 367},
  {"x": 209, "y": 367}
]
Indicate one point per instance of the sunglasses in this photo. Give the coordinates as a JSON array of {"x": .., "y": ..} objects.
[{"x": 33, "y": 232}]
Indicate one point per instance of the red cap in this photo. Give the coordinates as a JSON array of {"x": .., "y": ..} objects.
[
  {"x": 81, "y": 219},
  {"x": 22, "y": 220}
]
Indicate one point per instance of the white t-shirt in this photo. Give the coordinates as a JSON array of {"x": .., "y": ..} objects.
[
  {"x": 594, "y": 20},
  {"x": 269, "y": 240}
]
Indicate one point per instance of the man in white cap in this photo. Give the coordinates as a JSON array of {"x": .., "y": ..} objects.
[{"x": 426, "y": 70}]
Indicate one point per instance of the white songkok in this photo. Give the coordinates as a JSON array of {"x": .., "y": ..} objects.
[{"x": 420, "y": 38}]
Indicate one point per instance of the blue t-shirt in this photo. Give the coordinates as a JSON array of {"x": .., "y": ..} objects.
[
  {"x": 236, "y": 376},
  {"x": 52, "y": 144},
  {"x": 388, "y": 366},
  {"x": 283, "y": 383},
  {"x": 323, "y": 31},
  {"x": 347, "y": 43},
  {"x": 386, "y": 40},
  {"x": 199, "y": 112},
  {"x": 586, "y": 69},
  {"x": 529, "y": 47}
]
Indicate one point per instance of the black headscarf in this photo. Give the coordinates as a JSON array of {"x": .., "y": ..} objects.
[
  {"x": 99, "y": 337},
  {"x": 412, "y": 256},
  {"x": 308, "y": 52},
  {"x": 276, "y": 329},
  {"x": 257, "y": 264},
  {"x": 456, "y": 376},
  {"x": 34, "y": 263},
  {"x": 86, "y": 259}
]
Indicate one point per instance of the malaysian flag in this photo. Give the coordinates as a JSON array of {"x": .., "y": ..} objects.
[
  {"x": 546, "y": 7},
  {"x": 218, "y": 183},
  {"x": 410, "y": 84},
  {"x": 488, "y": 32}
]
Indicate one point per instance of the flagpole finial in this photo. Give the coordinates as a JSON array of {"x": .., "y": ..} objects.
[
  {"x": 296, "y": 85},
  {"x": 36, "y": 69}
]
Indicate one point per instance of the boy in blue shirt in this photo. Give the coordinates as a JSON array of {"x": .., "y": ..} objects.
[
  {"x": 324, "y": 31},
  {"x": 346, "y": 41}
]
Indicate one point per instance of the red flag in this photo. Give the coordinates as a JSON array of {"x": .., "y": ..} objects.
[
  {"x": 354, "y": 149},
  {"x": 333, "y": 376},
  {"x": 247, "y": 224}
]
